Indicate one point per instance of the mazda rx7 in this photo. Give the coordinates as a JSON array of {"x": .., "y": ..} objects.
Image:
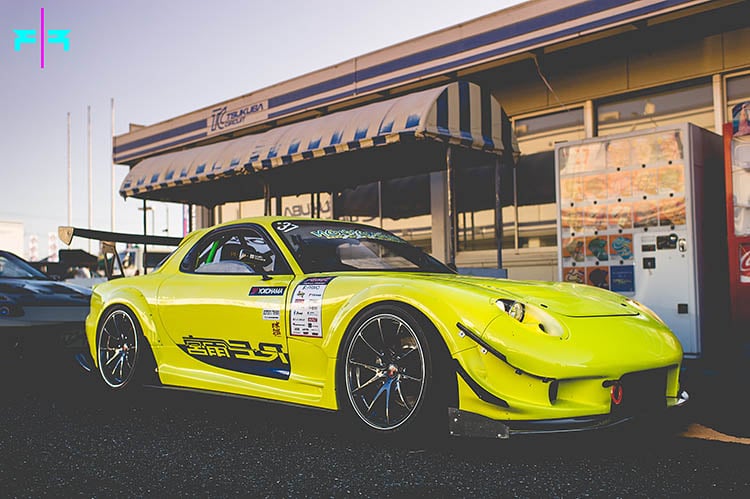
[{"x": 351, "y": 318}]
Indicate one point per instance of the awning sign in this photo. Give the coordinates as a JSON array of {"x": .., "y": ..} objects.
[{"x": 224, "y": 118}]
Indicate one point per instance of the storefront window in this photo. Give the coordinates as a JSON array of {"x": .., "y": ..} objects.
[
  {"x": 529, "y": 209},
  {"x": 541, "y": 133},
  {"x": 417, "y": 230},
  {"x": 401, "y": 206},
  {"x": 476, "y": 230},
  {"x": 738, "y": 90},
  {"x": 475, "y": 204},
  {"x": 692, "y": 104},
  {"x": 306, "y": 205},
  {"x": 528, "y": 199}
]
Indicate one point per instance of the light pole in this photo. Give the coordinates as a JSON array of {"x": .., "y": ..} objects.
[
  {"x": 145, "y": 228},
  {"x": 145, "y": 209}
]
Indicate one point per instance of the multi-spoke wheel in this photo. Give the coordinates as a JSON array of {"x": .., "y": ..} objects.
[
  {"x": 386, "y": 368},
  {"x": 118, "y": 347}
]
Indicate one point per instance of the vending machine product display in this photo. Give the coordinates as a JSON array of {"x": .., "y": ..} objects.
[
  {"x": 633, "y": 217},
  {"x": 737, "y": 159}
]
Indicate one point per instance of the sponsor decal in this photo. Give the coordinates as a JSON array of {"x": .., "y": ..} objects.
[
  {"x": 314, "y": 280},
  {"x": 271, "y": 314},
  {"x": 267, "y": 291},
  {"x": 276, "y": 328},
  {"x": 307, "y": 307},
  {"x": 356, "y": 234},
  {"x": 268, "y": 359}
]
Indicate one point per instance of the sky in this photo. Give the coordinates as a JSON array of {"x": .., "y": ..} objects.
[{"x": 159, "y": 59}]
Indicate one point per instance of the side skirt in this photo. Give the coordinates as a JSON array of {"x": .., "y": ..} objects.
[{"x": 237, "y": 396}]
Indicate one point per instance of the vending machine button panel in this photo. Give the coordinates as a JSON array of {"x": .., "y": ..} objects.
[{"x": 667, "y": 242}]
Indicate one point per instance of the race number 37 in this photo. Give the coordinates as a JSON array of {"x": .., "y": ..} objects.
[{"x": 285, "y": 226}]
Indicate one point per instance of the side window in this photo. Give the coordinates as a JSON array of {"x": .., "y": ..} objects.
[{"x": 239, "y": 250}]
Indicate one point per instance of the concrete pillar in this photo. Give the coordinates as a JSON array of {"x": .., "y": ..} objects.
[
  {"x": 439, "y": 212},
  {"x": 720, "y": 106},
  {"x": 589, "y": 119}
]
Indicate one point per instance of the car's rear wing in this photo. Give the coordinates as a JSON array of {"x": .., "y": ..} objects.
[{"x": 107, "y": 247}]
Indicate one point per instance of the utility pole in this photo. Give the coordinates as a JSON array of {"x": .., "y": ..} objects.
[{"x": 91, "y": 175}]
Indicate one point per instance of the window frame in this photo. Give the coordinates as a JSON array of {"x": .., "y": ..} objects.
[
  {"x": 644, "y": 121},
  {"x": 726, "y": 105},
  {"x": 187, "y": 265}
]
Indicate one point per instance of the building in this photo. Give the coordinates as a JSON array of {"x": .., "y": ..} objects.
[{"x": 560, "y": 71}]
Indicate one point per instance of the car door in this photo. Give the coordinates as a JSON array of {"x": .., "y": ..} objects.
[{"x": 225, "y": 309}]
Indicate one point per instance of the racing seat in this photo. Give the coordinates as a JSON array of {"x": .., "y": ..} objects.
[{"x": 230, "y": 252}]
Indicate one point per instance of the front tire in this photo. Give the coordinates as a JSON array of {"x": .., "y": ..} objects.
[
  {"x": 119, "y": 347},
  {"x": 387, "y": 370}
]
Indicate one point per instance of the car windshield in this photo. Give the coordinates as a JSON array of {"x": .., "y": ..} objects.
[
  {"x": 331, "y": 246},
  {"x": 13, "y": 267}
]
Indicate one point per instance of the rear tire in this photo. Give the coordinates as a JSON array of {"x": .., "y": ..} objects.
[{"x": 122, "y": 350}]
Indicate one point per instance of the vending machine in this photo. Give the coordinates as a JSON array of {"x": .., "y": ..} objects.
[
  {"x": 737, "y": 161},
  {"x": 641, "y": 214}
]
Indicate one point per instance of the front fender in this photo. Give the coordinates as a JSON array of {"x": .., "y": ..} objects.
[{"x": 443, "y": 307}]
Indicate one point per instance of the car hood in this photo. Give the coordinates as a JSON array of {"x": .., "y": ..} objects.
[
  {"x": 29, "y": 292},
  {"x": 572, "y": 300}
]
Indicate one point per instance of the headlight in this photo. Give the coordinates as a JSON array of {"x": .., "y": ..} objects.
[
  {"x": 535, "y": 317},
  {"x": 8, "y": 309},
  {"x": 517, "y": 311},
  {"x": 513, "y": 308}
]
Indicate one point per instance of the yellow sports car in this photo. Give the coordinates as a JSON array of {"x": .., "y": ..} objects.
[{"x": 351, "y": 318}]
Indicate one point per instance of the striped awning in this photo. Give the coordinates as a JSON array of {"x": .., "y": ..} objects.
[{"x": 459, "y": 113}]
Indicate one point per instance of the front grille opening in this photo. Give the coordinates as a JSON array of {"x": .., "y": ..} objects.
[{"x": 643, "y": 391}]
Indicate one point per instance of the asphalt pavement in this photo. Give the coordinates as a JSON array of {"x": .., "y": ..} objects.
[
  {"x": 718, "y": 387},
  {"x": 63, "y": 436}
]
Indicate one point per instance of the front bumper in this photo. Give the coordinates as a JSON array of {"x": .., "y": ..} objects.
[
  {"x": 573, "y": 382},
  {"x": 463, "y": 423}
]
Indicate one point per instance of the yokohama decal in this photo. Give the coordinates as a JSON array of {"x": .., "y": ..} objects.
[{"x": 267, "y": 291}]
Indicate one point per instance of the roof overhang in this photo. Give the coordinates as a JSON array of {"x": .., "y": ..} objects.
[
  {"x": 397, "y": 137},
  {"x": 465, "y": 50}
]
